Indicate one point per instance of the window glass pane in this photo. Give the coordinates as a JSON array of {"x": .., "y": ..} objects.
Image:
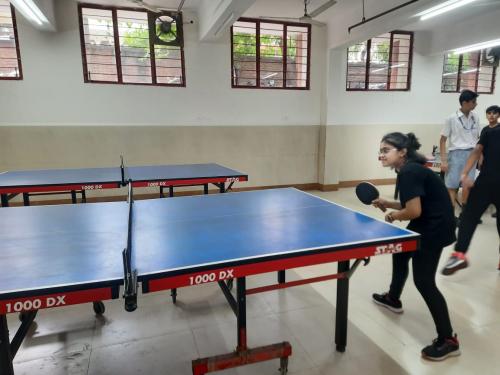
[
  {"x": 486, "y": 76},
  {"x": 356, "y": 66},
  {"x": 400, "y": 61},
  {"x": 379, "y": 62},
  {"x": 450, "y": 73},
  {"x": 10, "y": 67},
  {"x": 476, "y": 73},
  {"x": 469, "y": 72},
  {"x": 271, "y": 54},
  {"x": 388, "y": 57},
  {"x": 99, "y": 45},
  {"x": 244, "y": 54},
  {"x": 297, "y": 56},
  {"x": 275, "y": 68},
  {"x": 169, "y": 67},
  {"x": 136, "y": 62},
  {"x": 133, "y": 30}
]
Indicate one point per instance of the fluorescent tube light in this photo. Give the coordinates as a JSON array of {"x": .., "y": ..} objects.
[
  {"x": 30, "y": 10},
  {"x": 442, "y": 8},
  {"x": 477, "y": 46}
]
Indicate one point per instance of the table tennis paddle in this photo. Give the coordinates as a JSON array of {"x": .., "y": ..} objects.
[{"x": 367, "y": 192}]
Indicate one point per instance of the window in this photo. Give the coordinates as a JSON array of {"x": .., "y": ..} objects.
[
  {"x": 259, "y": 59},
  {"x": 10, "y": 58},
  {"x": 116, "y": 49},
  {"x": 468, "y": 71},
  {"x": 381, "y": 64}
]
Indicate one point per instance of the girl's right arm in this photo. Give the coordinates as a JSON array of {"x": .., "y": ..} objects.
[{"x": 384, "y": 204}]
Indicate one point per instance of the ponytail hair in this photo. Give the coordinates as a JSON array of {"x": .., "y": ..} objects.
[{"x": 406, "y": 141}]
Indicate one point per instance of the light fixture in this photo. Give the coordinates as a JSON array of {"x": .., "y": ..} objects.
[
  {"x": 442, "y": 8},
  {"x": 30, "y": 10},
  {"x": 477, "y": 46}
]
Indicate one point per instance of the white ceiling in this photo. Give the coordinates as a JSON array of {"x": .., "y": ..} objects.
[
  {"x": 216, "y": 16},
  {"x": 474, "y": 9},
  {"x": 295, "y": 8},
  {"x": 167, "y": 4}
]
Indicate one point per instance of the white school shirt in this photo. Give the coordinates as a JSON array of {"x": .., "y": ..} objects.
[{"x": 462, "y": 132}]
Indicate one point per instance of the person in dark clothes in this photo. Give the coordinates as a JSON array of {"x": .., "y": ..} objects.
[
  {"x": 485, "y": 191},
  {"x": 425, "y": 202},
  {"x": 492, "y": 115}
]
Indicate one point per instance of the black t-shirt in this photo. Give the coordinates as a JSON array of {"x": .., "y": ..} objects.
[
  {"x": 436, "y": 224},
  {"x": 485, "y": 129},
  {"x": 490, "y": 140}
]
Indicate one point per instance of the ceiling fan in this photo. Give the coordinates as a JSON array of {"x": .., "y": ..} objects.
[{"x": 308, "y": 16}]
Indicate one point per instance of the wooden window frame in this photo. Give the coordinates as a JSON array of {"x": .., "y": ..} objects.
[
  {"x": 367, "y": 65},
  {"x": 459, "y": 77},
  {"x": 116, "y": 38},
  {"x": 258, "y": 21},
  {"x": 18, "y": 51}
]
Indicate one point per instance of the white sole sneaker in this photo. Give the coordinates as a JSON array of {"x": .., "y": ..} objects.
[
  {"x": 455, "y": 353},
  {"x": 457, "y": 266},
  {"x": 397, "y": 310}
]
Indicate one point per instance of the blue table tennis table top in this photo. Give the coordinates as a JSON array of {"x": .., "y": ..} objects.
[
  {"x": 52, "y": 177},
  {"x": 51, "y": 247}
]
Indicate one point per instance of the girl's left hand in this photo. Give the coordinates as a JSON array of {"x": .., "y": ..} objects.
[{"x": 390, "y": 217}]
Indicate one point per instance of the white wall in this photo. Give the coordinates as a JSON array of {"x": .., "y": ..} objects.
[
  {"x": 423, "y": 104},
  {"x": 481, "y": 28},
  {"x": 53, "y": 92},
  {"x": 356, "y": 121}
]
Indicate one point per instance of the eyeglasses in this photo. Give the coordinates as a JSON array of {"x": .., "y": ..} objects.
[{"x": 385, "y": 150}]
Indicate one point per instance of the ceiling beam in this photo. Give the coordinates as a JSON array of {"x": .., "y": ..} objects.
[{"x": 216, "y": 17}]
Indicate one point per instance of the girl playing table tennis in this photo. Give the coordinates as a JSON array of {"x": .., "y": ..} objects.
[{"x": 424, "y": 201}]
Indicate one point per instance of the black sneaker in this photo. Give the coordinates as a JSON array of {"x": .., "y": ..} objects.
[
  {"x": 456, "y": 262},
  {"x": 385, "y": 300},
  {"x": 441, "y": 349}
]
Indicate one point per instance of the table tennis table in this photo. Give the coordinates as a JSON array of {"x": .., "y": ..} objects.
[
  {"x": 55, "y": 256},
  {"x": 60, "y": 181}
]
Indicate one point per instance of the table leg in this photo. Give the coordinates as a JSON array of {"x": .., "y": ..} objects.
[{"x": 341, "y": 310}]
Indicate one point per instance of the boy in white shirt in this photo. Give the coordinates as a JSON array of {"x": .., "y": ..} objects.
[{"x": 461, "y": 131}]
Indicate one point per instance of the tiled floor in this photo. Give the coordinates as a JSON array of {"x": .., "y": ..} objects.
[{"x": 160, "y": 338}]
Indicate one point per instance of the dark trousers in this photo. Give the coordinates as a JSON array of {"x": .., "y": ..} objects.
[
  {"x": 424, "y": 262},
  {"x": 481, "y": 196}
]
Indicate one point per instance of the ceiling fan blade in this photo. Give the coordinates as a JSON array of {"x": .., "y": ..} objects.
[{"x": 322, "y": 8}]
